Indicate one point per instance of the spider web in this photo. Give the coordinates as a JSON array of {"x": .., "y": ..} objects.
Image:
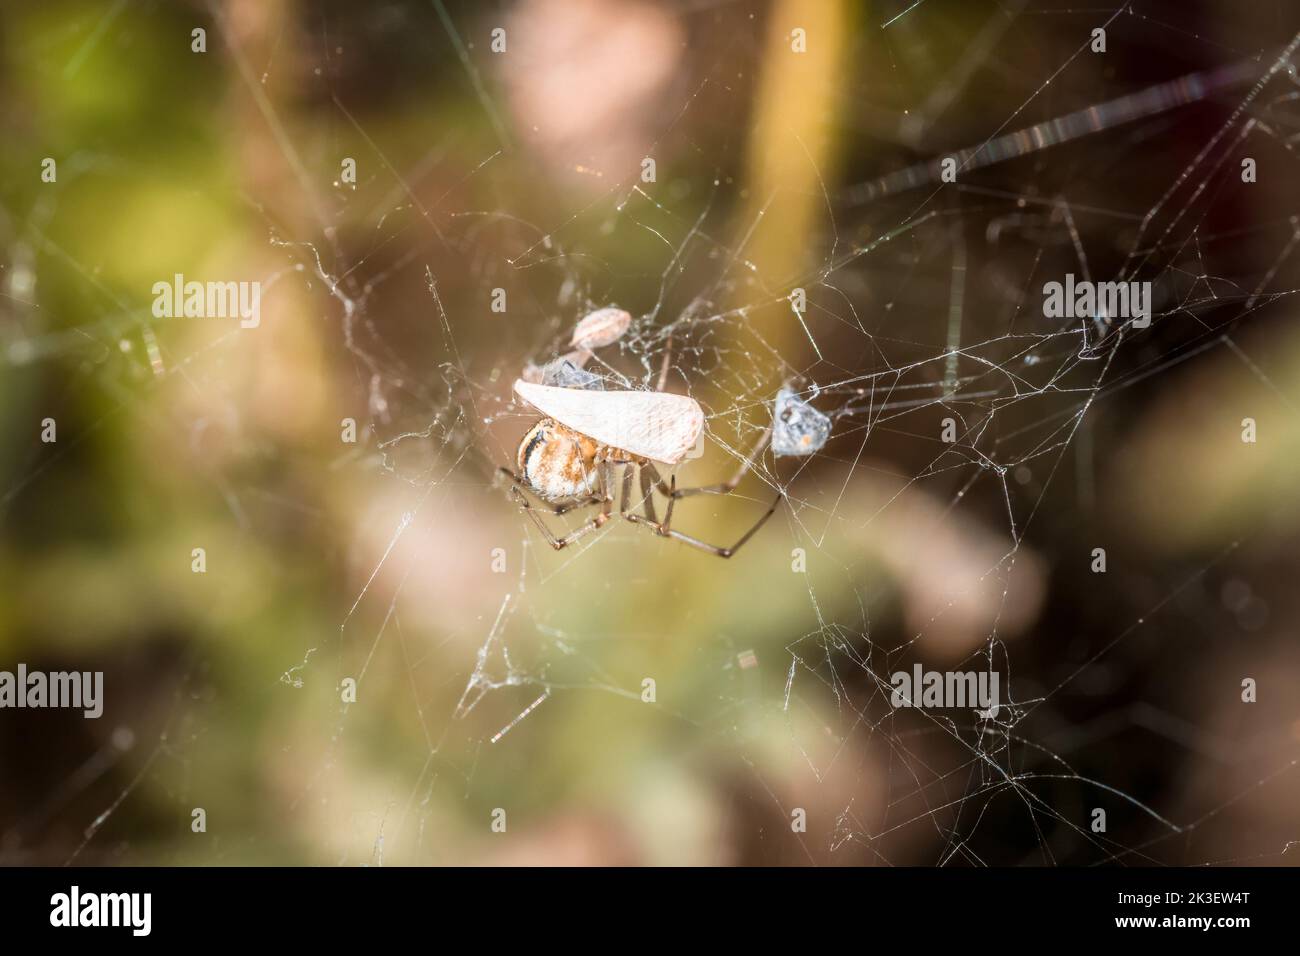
[{"x": 979, "y": 452}]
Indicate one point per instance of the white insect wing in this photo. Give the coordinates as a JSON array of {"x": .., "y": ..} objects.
[{"x": 656, "y": 425}]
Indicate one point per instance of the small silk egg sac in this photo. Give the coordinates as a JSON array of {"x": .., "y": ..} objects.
[
  {"x": 565, "y": 373},
  {"x": 797, "y": 427},
  {"x": 600, "y": 328}
]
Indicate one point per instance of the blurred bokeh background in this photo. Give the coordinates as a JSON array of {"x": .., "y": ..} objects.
[{"x": 398, "y": 561}]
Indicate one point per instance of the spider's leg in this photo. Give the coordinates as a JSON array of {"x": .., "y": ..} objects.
[
  {"x": 722, "y": 488},
  {"x": 626, "y": 494},
  {"x": 606, "y": 502},
  {"x": 648, "y": 496},
  {"x": 665, "y": 531},
  {"x": 650, "y": 478}
]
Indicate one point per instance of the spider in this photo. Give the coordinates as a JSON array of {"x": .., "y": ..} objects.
[{"x": 567, "y": 459}]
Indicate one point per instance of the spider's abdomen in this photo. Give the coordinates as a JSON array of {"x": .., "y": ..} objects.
[{"x": 557, "y": 462}]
